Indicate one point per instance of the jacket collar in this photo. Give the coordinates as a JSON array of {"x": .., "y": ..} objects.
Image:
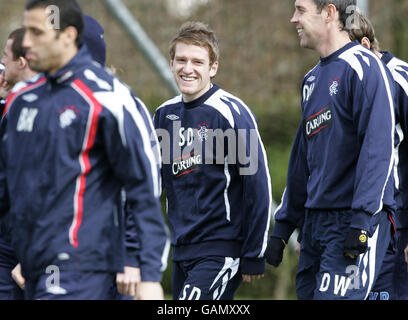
[
  {"x": 67, "y": 72},
  {"x": 386, "y": 56},
  {"x": 199, "y": 101}
]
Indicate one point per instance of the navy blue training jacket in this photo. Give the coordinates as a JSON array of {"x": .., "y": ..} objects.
[
  {"x": 216, "y": 177},
  {"x": 69, "y": 143},
  {"x": 399, "y": 70}
]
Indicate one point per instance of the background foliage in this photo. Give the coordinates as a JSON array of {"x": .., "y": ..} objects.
[{"x": 261, "y": 62}]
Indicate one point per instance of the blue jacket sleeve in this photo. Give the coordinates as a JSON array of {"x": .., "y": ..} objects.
[
  {"x": 132, "y": 241},
  {"x": 290, "y": 213},
  {"x": 129, "y": 149},
  {"x": 255, "y": 176},
  {"x": 372, "y": 97},
  {"x": 399, "y": 71}
]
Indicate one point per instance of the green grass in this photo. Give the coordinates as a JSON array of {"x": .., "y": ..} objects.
[{"x": 278, "y": 158}]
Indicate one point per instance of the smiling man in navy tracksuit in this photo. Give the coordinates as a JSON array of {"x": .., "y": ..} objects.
[
  {"x": 72, "y": 138},
  {"x": 339, "y": 185},
  {"x": 215, "y": 174}
]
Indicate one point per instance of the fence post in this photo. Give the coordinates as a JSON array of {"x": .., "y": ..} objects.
[{"x": 143, "y": 42}]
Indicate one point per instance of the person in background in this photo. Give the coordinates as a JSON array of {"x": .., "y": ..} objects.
[
  {"x": 392, "y": 283},
  {"x": 16, "y": 69}
]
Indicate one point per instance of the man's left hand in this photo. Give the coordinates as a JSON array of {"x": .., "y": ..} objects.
[
  {"x": 128, "y": 281},
  {"x": 250, "y": 277}
]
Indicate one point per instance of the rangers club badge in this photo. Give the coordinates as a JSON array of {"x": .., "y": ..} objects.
[{"x": 203, "y": 131}]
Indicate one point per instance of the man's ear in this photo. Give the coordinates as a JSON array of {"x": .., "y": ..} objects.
[
  {"x": 331, "y": 13},
  {"x": 22, "y": 62},
  {"x": 213, "y": 69},
  {"x": 70, "y": 34},
  {"x": 366, "y": 42}
]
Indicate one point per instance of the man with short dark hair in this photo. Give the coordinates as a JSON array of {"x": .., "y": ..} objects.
[
  {"x": 16, "y": 67},
  {"x": 339, "y": 186},
  {"x": 14, "y": 61},
  {"x": 14, "y": 52},
  {"x": 71, "y": 140}
]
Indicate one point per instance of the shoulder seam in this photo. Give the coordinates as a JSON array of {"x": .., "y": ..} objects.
[{"x": 172, "y": 101}]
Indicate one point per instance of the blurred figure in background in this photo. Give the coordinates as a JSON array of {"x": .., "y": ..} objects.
[{"x": 392, "y": 283}]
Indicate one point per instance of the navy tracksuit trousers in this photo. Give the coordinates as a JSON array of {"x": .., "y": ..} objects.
[{"x": 324, "y": 273}]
